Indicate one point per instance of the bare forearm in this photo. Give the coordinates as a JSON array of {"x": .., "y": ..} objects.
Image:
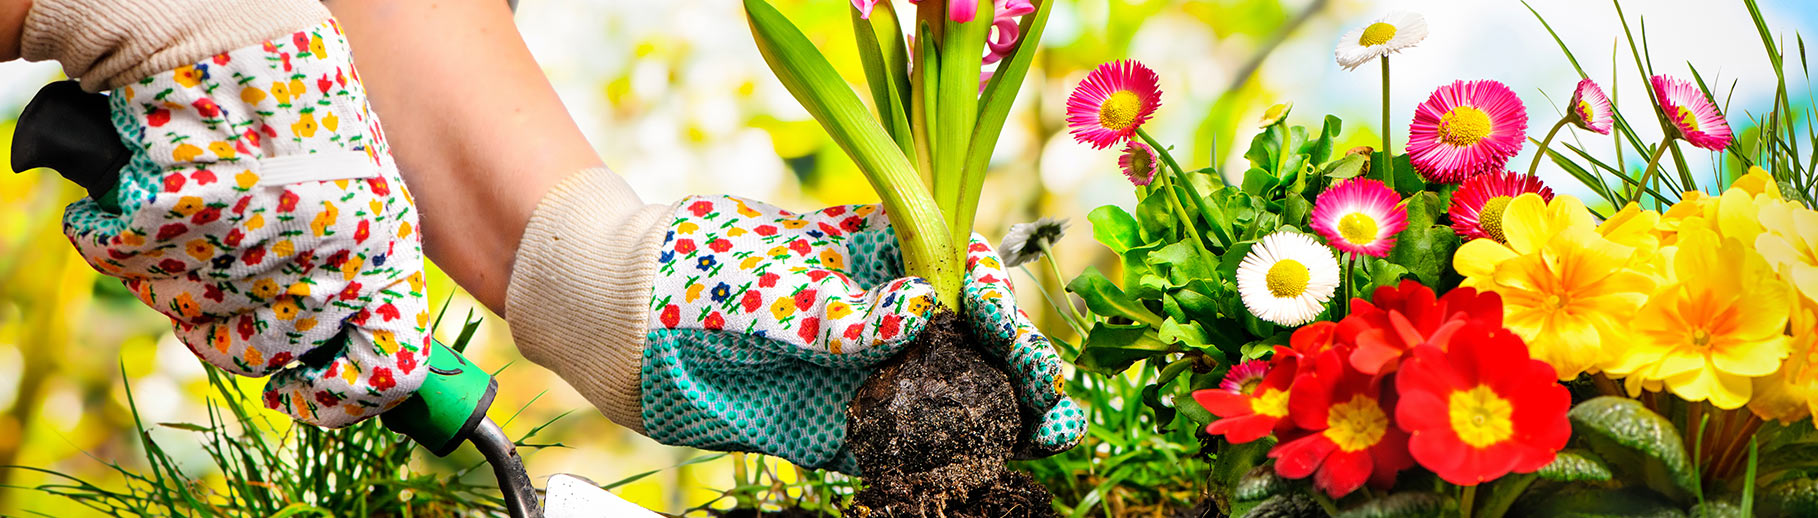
[
  {"x": 477, "y": 130},
  {"x": 12, "y": 21}
]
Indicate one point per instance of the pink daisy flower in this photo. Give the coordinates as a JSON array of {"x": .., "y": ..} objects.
[
  {"x": 1360, "y": 216},
  {"x": 1466, "y": 128},
  {"x": 1591, "y": 108},
  {"x": 1139, "y": 162},
  {"x": 1478, "y": 205},
  {"x": 1244, "y": 377},
  {"x": 1112, "y": 102},
  {"x": 1692, "y": 113}
]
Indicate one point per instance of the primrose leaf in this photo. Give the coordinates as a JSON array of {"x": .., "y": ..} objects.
[
  {"x": 1287, "y": 505},
  {"x": 1106, "y": 299},
  {"x": 1112, "y": 349},
  {"x": 1575, "y": 466},
  {"x": 1403, "y": 505},
  {"x": 1590, "y": 502},
  {"x": 1633, "y": 438},
  {"x": 1795, "y": 497}
]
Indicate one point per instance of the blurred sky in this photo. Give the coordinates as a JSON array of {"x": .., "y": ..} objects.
[{"x": 676, "y": 98}]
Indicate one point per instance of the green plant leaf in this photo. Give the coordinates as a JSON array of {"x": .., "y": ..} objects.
[
  {"x": 1590, "y": 502},
  {"x": 994, "y": 108},
  {"x": 1717, "y": 509},
  {"x": 1106, "y": 299},
  {"x": 1574, "y": 465},
  {"x": 1188, "y": 335},
  {"x": 1425, "y": 248},
  {"x": 1403, "y": 505},
  {"x": 1636, "y": 441},
  {"x": 1792, "y": 497},
  {"x": 1351, "y": 166},
  {"x": 1186, "y": 261},
  {"x": 1115, "y": 228},
  {"x": 886, "y": 71},
  {"x": 1244, "y": 469},
  {"x": 927, "y": 246},
  {"x": 1112, "y": 348}
]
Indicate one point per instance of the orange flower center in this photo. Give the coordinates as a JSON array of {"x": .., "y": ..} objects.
[
  {"x": 1270, "y": 402},
  {"x": 1687, "y": 119},
  {"x": 1376, "y": 34},
  {"x": 1489, "y": 218},
  {"x": 1480, "y": 417},
  {"x": 1464, "y": 126},
  {"x": 1356, "y": 424},
  {"x": 1357, "y": 228},
  {"x": 1119, "y": 112}
]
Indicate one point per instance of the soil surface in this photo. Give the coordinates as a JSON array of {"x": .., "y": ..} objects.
[{"x": 931, "y": 431}]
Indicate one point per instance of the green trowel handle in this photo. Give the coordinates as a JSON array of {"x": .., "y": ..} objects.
[{"x": 450, "y": 405}]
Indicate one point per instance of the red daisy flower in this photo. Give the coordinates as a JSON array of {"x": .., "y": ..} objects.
[
  {"x": 1482, "y": 409},
  {"x": 1406, "y": 316},
  {"x": 1478, "y": 205},
  {"x": 1349, "y": 438}
]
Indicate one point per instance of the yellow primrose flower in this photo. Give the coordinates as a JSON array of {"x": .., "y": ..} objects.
[
  {"x": 1786, "y": 395},
  {"x": 1633, "y": 227},
  {"x": 1789, "y": 241},
  {"x": 1722, "y": 322},
  {"x": 1566, "y": 289}
]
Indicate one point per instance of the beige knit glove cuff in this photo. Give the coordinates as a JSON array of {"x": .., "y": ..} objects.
[
  {"x": 580, "y": 286},
  {"x": 111, "y": 43}
]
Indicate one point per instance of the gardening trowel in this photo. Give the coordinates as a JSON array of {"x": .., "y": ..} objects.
[
  {"x": 67, "y": 129},
  {"x": 451, "y": 409}
]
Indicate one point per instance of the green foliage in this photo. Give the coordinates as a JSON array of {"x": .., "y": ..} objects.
[
  {"x": 1403, "y": 505},
  {"x": 1575, "y": 466},
  {"x": 1131, "y": 458},
  {"x": 1638, "y": 444}
]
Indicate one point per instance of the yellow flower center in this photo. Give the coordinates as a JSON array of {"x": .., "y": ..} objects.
[
  {"x": 1119, "y": 112},
  {"x": 1701, "y": 337},
  {"x": 1271, "y": 402},
  {"x": 1464, "y": 126},
  {"x": 1376, "y": 34},
  {"x": 1489, "y": 218},
  {"x": 1357, "y": 228},
  {"x": 1687, "y": 119},
  {"x": 1288, "y": 278},
  {"x": 1356, "y": 424},
  {"x": 1584, "y": 111},
  {"x": 1554, "y": 302},
  {"x": 1481, "y": 417}
]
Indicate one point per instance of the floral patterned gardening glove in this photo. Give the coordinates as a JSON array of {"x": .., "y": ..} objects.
[
  {"x": 262, "y": 212},
  {"x": 766, "y": 322}
]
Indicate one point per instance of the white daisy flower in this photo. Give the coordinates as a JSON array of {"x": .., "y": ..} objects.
[
  {"x": 1287, "y": 278},
  {"x": 1389, "y": 34},
  {"x": 1028, "y": 241}
]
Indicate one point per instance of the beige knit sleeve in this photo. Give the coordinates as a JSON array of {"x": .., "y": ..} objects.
[
  {"x": 578, "y": 302},
  {"x": 110, "y": 43}
]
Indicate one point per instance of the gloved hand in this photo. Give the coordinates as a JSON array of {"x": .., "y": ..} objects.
[
  {"x": 260, "y": 209},
  {"x": 766, "y": 322}
]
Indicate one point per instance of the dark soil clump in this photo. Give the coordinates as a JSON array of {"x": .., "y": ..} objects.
[{"x": 931, "y": 431}]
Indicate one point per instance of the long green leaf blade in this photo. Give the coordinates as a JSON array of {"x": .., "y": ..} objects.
[{"x": 999, "y": 96}]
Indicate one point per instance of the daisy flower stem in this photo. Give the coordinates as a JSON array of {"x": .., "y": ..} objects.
[
  {"x": 1647, "y": 175},
  {"x": 1186, "y": 218},
  {"x": 1388, "y": 156},
  {"x": 1542, "y": 152},
  {"x": 1075, "y": 318},
  {"x": 1213, "y": 216}
]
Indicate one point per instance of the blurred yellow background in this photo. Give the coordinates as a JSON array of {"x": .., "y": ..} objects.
[{"x": 678, "y": 101}]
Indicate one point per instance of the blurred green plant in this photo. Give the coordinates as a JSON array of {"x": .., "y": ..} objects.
[{"x": 362, "y": 470}]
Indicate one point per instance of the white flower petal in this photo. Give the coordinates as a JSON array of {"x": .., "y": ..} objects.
[{"x": 1322, "y": 278}]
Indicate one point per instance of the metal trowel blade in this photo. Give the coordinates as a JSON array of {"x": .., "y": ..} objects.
[{"x": 570, "y": 496}]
